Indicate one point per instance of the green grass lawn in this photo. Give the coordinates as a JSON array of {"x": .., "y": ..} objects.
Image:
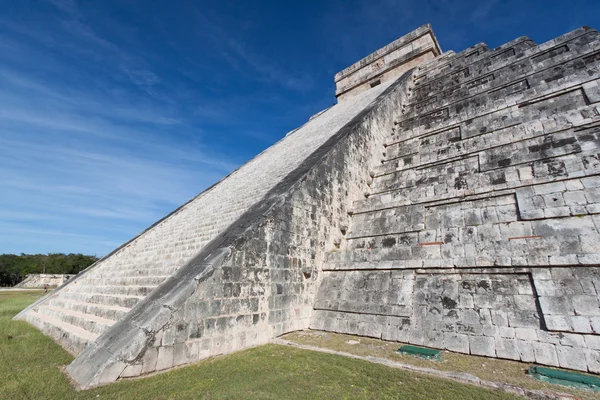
[
  {"x": 30, "y": 369},
  {"x": 488, "y": 369}
]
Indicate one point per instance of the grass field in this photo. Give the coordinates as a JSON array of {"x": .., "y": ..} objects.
[
  {"x": 30, "y": 369},
  {"x": 488, "y": 369}
]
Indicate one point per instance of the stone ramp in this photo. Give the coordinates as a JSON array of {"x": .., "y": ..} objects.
[{"x": 477, "y": 231}]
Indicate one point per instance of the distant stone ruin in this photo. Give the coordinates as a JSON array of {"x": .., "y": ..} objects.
[
  {"x": 40, "y": 280},
  {"x": 448, "y": 200}
]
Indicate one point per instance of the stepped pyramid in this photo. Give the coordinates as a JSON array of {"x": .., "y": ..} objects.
[{"x": 450, "y": 200}]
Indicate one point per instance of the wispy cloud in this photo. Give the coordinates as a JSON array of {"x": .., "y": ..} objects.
[
  {"x": 92, "y": 147},
  {"x": 244, "y": 60}
]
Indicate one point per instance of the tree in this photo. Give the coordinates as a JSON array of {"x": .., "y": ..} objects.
[{"x": 14, "y": 268}]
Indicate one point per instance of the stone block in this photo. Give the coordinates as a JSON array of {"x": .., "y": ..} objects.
[
  {"x": 499, "y": 318},
  {"x": 132, "y": 371},
  {"x": 149, "y": 360},
  {"x": 456, "y": 342},
  {"x": 506, "y": 332},
  {"x": 571, "y": 226},
  {"x": 547, "y": 287},
  {"x": 592, "y": 358},
  {"x": 581, "y": 323},
  {"x": 165, "y": 358},
  {"x": 571, "y": 358},
  {"x": 482, "y": 346},
  {"x": 589, "y": 259},
  {"x": 545, "y": 354},
  {"x": 549, "y": 188},
  {"x": 186, "y": 352},
  {"x": 507, "y": 348},
  {"x": 572, "y": 339},
  {"x": 592, "y": 91},
  {"x": 526, "y": 351},
  {"x": 586, "y": 305},
  {"x": 526, "y": 334},
  {"x": 556, "y": 212},
  {"x": 573, "y": 185},
  {"x": 570, "y": 259},
  {"x": 523, "y": 319},
  {"x": 556, "y": 305},
  {"x": 574, "y": 198},
  {"x": 557, "y": 322}
]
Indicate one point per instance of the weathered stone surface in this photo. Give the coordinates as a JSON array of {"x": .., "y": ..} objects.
[{"x": 488, "y": 190}]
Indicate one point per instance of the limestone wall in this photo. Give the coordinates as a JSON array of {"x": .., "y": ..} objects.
[{"x": 479, "y": 233}]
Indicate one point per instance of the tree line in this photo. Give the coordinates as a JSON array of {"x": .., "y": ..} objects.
[{"x": 14, "y": 268}]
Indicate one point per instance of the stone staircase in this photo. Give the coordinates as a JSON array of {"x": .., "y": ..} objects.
[
  {"x": 87, "y": 308},
  {"x": 92, "y": 303}
]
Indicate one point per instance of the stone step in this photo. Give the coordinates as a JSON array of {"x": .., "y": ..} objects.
[
  {"x": 119, "y": 290},
  {"x": 133, "y": 272},
  {"x": 540, "y": 102},
  {"x": 73, "y": 338},
  {"x": 496, "y": 82},
  {"x": 105, "y": 311},
  {"x": 103, "y": 299},
  {"x": 121, "y": 281},
  {"x": 450, "y": 83},
  {"x": 88, "y": 322},
  {"x": 447, "y": 145}
]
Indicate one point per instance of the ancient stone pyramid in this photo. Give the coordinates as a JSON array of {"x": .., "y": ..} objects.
[{"x": 448, "y": 200}]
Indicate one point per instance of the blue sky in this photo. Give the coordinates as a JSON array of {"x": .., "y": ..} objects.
[{"x": 113, "y": 113}]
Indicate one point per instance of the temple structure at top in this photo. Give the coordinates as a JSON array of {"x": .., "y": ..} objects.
[{"x": 387, "y": 63}]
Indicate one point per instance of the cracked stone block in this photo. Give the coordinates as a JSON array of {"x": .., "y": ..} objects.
[
  {"x": 526, "y": 351},
  {"x": 592, "y": 358},
  {"x": 165, "y": 358},
  {"x": 573, "y": 340},
  {"x": 132, "y": 371}
]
